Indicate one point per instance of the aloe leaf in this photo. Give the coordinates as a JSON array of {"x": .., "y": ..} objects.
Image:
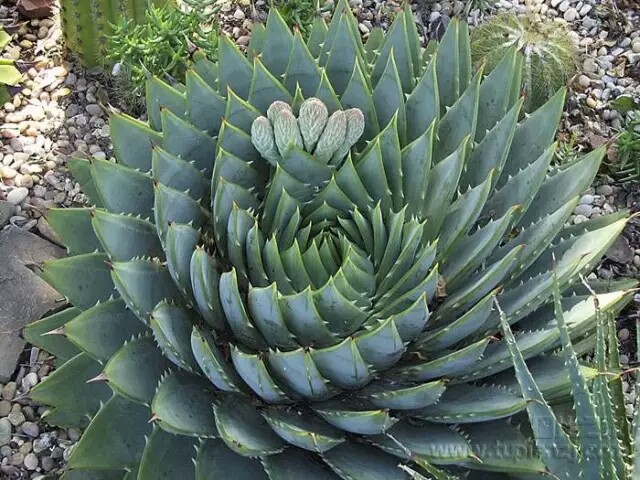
[
  {"x": 461, "y": 216},
  {"x": 125, "y": 237},
  {"x": 589, "y": 436},
  {"x": 135, "y": 369},
  {"x": 162, "y": 444},
  {"x": 103, "y": 329},
  {"x": 534, "y": 236},
  {"x": 339, "y": 61},
  {"x": 448, "y": 66},
  {"x": 381, "y": 346},
  {"x": 84, "y": 279},
  {"x": 243, "y": 429},
  {"x": 234, "y": 70},
  {"x": 277, "y": 44},
  {"x": 459, "y": 121},
  {"x": 443, "y": 181},
  {"x": 179, "y": 174},
  {"x": 171, "y": 326},
  {"x": 327, "y": 94},
  {"x": 307, "y": 432},
  {"x": 252, "y": 369},
  {"x": 115, "y": 437},
  {"x": 488, "y": 441},
  {"x": 205, "y": 284},
  {"x": 558, "y": 189},
  {"x": 532, "y": 137},
  {"x": 417, "y": 158},
  {"x": 67, "y": 390},
  {"x": 302, "y": 69},
  {"x": 265, "y": 88},
  {"x": 73, "y": 227},
  {"x": 388, "y": 98},
  {"x": 265, "y": 311},
  {"x": 122, "y": 189},
  {"x": 357, "y": 94},
  {"x": 256, "y": 44},
  {"x": 360, "y": 462},
  {"x": 520, "y": 189},
  {"x": 342, "y": 364},
  {"x": 398, "y": 396},
  {"x": 491, "y": 153},
  {"x": 423, "y": 104},
  {"x": 296, "y": 370},
  {"x": 94, "y": 475},
  {"x": 316, "y": 37},
  {"x": 295, "y": 463},
  {"x": 180, "y": 243},
  {"x": 183, "y": 405},
  {"x": 478, "y": 285},
  {"x": 463, "y": 327},
  {"x": 207, "y": 69},
  {"x": 548, "y": 433},
  {"x": 239, "y": 113},
  {"x": 396, "y": 40},
  {"x": 133, "y": 141},
  {"x": 184, "y": 140},
  {"x": 235, "y": 311},
  {"x": 494, "y": 104},
  {"x": 173, "y": 206},
  {"x": 143, "y": 284},
  {"x": 160, "y": 96},
  {"x": 205, "y": 108},
  {"x": 447, "y": 363},
  {"x": 471, "y": 251},
  {"x": 371, "y": 172},
  {"x": 304, "y": 320},
  {"x": 470, "y": 404},
  {"x": 216, "y": 460},
  {"x": 424, "y": 441},
  {"x": 81, "y": 170},
  {"x": 58, "y": 345},
  {"x": 213, "y": 363}
]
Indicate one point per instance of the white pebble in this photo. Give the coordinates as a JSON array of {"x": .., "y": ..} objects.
[{"x": 17, "y": 195}]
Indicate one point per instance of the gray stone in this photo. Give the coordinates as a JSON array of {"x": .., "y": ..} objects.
[
  {"x": 29, "y": 296},
  {"x": 5, "y": 431},
  {"x": 605, "y": 190},
  {"x": 620, "y": 251},
  {"x": 30, "y": 429},
  {"x": 584, "y": 209},
  {"x": 6, "y": 212}
]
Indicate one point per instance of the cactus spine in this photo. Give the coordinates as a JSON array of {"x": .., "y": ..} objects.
[{"x": 85, "y": 23}]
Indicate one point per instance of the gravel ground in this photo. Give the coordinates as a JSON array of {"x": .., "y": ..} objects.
[{"x": 62, "y": 110}]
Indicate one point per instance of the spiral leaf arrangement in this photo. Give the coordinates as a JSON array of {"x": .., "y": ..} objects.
[{"x": 293, "y": 270}]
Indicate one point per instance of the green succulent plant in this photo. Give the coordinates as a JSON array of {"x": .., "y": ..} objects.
[
  {"x": 87, "y": 23},
  {"x": 291, "y": 270},
  {"x": 548, "y": 52}
]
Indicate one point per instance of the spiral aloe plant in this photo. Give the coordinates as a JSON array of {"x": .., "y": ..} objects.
[{"x": 290, "y": 271}]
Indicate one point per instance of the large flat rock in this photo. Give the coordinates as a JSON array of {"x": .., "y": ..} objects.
[{"x": 24, "y": 296}]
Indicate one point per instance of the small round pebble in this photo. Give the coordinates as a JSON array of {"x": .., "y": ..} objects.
[
  {"x": 31, "y": 461},
  {"x": 30, "y": 429}
]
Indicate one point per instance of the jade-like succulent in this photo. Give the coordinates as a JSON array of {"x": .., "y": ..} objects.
[
  {"x": 293, "y": 270},
  {"x": 87, "y": 23}
]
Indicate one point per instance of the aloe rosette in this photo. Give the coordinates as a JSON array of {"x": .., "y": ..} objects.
[{"x": 292, "y": 270}]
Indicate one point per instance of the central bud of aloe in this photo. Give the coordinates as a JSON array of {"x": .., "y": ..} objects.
[{"x": 328, "y": 138}]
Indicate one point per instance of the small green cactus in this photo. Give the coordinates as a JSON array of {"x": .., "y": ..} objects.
[
  {"x": 86, "y": 23},
  {"x": 548, "y": 59}
]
